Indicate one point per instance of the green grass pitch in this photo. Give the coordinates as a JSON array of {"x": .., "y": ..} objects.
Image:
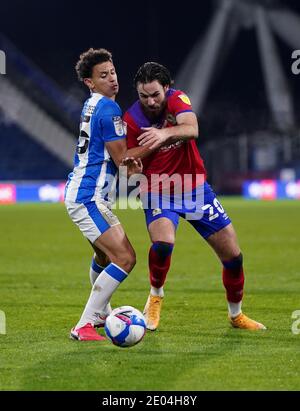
[{"x": 44, "y": 285}]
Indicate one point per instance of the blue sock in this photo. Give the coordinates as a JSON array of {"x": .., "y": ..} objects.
[{"x": 95, "y": 270}]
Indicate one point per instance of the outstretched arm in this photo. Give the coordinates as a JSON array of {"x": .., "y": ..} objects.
[
  {"x": 139, "y": 152},
  {"x": 119, "y": 153}
]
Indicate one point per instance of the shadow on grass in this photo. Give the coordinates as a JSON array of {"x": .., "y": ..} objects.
[{"x": 159, "y": 362}]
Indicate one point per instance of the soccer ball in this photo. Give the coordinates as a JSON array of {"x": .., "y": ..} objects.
[{"x": 125, "y": 326}]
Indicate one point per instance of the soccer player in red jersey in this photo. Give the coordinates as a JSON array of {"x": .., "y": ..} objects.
[{"x": 163, "y": 121}]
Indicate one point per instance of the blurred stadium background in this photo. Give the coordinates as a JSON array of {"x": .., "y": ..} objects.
[{"x": 232, "y": 57}]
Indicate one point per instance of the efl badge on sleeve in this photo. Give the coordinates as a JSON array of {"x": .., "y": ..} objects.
[
  {"x": 185, "y": 99},
  {"x": 125, "y": 127},
  {"x": 118, "y": 124}
]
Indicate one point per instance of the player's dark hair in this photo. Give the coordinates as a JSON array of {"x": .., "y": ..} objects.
[
  {"x": 152, "y": 71},
  {"x": 89, "y": 59}
]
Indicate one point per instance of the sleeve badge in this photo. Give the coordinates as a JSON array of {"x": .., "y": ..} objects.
[
  {"x": 185, "y": 99},
  {"x": 118, "y": 125},
  {"x": 125, "y": 127}
]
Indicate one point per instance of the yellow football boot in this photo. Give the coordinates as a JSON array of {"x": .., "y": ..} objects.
[
  {"x": 244, "y": 322},
  {"x": 152, "y": 311}
]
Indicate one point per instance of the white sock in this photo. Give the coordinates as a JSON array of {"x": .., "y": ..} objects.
[
  {"x": 234, "y": 309},
  {"x": 157, "y": 292},
  {"x": 103, "y": 288},
  {"x": 95, "y": 270}
]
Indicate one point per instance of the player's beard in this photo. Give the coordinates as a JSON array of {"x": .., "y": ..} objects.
[{"x": 156, "y": 113}]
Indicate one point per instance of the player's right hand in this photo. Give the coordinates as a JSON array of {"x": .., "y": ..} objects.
[{"x": 134, "y": 166}]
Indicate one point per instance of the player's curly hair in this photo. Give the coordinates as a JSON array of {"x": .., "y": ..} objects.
[
  {"x": 152, "y": 71},
  {"x": 89, "y": 59}
]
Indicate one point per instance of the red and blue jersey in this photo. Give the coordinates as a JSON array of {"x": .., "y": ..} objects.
[{"x": 181, "y": 158}]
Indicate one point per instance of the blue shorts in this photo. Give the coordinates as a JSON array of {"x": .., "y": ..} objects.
[{"x": 207, "y": 216}]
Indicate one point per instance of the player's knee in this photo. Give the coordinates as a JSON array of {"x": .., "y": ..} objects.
[
  {"x": 101, "y": 259},
  {"x": 131, "y": 261},
  {"x": 126, "y": 261},
  {"x": 163, "y": 249},
  {"x": 235, "y": 262}
]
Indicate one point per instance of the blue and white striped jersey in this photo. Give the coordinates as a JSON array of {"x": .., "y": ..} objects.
[{"x": 94, "y": 172}]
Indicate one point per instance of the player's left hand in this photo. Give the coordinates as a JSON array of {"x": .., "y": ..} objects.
[
  {"x": 134, "y": 166},
  {"x": 153, "y": 136}
]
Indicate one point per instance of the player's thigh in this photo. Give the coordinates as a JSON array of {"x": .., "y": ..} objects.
[
  {"x": 115, "y": 244},
  {"x": 162, "y": 230},
  {"x": 103, "y": 229},
  {"x": 162, "y": 226},
  {"x": 92, "y": 218},
  {"x": 225, "y": 243},
  {"x": 212, "y": 218}
]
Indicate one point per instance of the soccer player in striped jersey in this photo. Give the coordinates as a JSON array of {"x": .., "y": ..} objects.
[
  {"x": 163, "y": 120},
  {"x": 88, "y": 196}
]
